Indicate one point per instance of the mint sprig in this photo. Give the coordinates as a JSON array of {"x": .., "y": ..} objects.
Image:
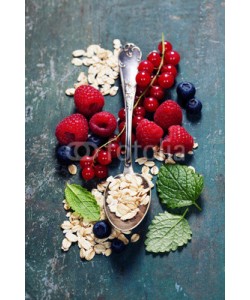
[
  {"x": 82, "y": 202},
  {"x": 167, "y": 232},
  {"x": 179, "y": 186}
]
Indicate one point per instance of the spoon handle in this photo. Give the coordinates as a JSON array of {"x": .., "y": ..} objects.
[{"x": 129, "y": 59}]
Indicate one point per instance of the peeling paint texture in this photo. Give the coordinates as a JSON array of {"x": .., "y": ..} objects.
[{"x": 53, "y": 30}]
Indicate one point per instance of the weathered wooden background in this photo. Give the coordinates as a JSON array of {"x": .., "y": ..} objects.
[{"x": 54, "y": 28}]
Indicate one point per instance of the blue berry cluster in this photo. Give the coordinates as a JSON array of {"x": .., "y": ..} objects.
[
  {"x": 102, "y": 230},
  {"x": 186, "y": 93}
]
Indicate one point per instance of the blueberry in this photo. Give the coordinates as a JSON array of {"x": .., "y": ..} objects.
[
  {"x": 185, "y": 90},
  {"x": 96, "y": 140},
  {"x": 101, "y": 229},
  {"x": 117, "y": 245},
  {"x": 64, "y": 154},
  {"x": 194, "y": 106}
]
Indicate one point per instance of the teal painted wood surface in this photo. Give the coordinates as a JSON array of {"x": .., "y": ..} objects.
[{"x": 53, "y": 30}]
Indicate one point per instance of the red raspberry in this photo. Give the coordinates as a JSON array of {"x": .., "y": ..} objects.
[
  {"x": 73, "y": 128},
  {"x": 148, "y": 133},
  {"x": 167, "y": 114},
  {"x": 88, "y": 100},
  {"x": 178, "y": 140},
  {"x": 103, "y": 124}
]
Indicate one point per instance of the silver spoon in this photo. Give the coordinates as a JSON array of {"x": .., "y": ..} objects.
[{"x": 129, "y": 59}]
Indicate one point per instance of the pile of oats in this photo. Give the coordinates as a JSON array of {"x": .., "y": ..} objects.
[
  {"x": 125, "y": 195},
  {"x": 103, "y": 68},
  {"x": 77, "y": 230},
  {"x": 149, "y": 166}
]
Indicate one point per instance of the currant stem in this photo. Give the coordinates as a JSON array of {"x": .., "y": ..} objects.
[{"x": 140, "y": 97}]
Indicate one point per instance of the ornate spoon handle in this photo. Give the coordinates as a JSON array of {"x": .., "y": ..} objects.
[{"x": 129, "y": 59}]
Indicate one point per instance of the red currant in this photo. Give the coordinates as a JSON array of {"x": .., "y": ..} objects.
[
  {"x": 88, "y": 173},
  {"x": 166, "y": 80},
  {"x": 155, "y": 80},
  {"x": 114, "y": 149},
  {"x": 104, "y": 157},
  {"x": 146, "y": 66},
  {"x": 136, "y": 120},
  {"x": 86, "y": 161},
  {"x": 123, "y": 137},
  {"x": 155, "y": 58},
  {"x": 101, "y": 171},
  {"x": 139, "y": 111},
  {"x": 167, "y": 45},
  {"x": 170, "y": 69},
  {"x": 156, "y": 92},
  {"x": 143, "y": 79},
  {"x": 172, "y": 57},
  {"x": 151, "y": 104},
  {"x": 121, "y": 126},
  {"x": 121, "y": 114}
]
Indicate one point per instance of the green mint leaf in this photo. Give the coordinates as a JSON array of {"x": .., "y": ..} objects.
[
  {"x": 82, "y": 202},
  {"x": 167, "y": 232},
  {"x": 179, "y": 186}
]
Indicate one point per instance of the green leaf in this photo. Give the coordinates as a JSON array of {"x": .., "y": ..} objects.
[
  {"x": 179, "y": 186},
  {"x": 167, "y": 232},
  {"x": 82, "y": 202}
]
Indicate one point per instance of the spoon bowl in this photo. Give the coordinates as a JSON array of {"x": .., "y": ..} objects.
[{"x": 131, "y": 223}]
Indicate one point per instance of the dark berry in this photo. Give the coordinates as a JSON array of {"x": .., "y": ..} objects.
[
  {"x": 155, "y": 58},
  {"x": 114, "y": 149},
  {"x": 101, "y": 229},
  {"x": 151, "y": 104},
  {"x": 156, "y": 92},
  {"x": 194, "y": 106},
  {"x": 101, "y": 171},
  {"x": 185, "y": 90},
  {"x": 65, "y": 154},
  {"x": 167, "y": 46},
  {"x": 95, "y": 140},
  {"x": 139, "y": 111},
  {"x": 136, "y": 120},
  {"x": 86, "y": 161},
  {"x": 170, "y": 69},
  {"x": 166, "y": 80},
  {"x": 121, "y": 114},
  {"x": 146, "y": 66},
  {"x": 117, "y": 245},
  {"x": 88, "y": 173},
  {"x": 104, "y": 157},
  {"x": 143, "y": 79},
  {"x": 172, "y": 57},
  {"x": 121, "y": 126}
]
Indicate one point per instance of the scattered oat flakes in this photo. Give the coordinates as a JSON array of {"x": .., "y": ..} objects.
[
  {"x": 170, "y": 160},
  {"x": 154, "y": 170},
  {"x": 149, "y": 163},
  {"x": 70, "y": 92},
  {"x": 190, "y": 152},
  {"x": 72, "y": 169},
  {"x": 159, "y": 156},
  {"x": 180, "y": 155},
  {"x": 192, "y": 168},
  {"x": 141, "y": 160},
  {"x": 195, "y": 146},
  {"x": 135, "y": 237},
  {"x": 78, "y": 53},
  {"x": 77, "y": 62},
  {"x": 66, "y": 244}
]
